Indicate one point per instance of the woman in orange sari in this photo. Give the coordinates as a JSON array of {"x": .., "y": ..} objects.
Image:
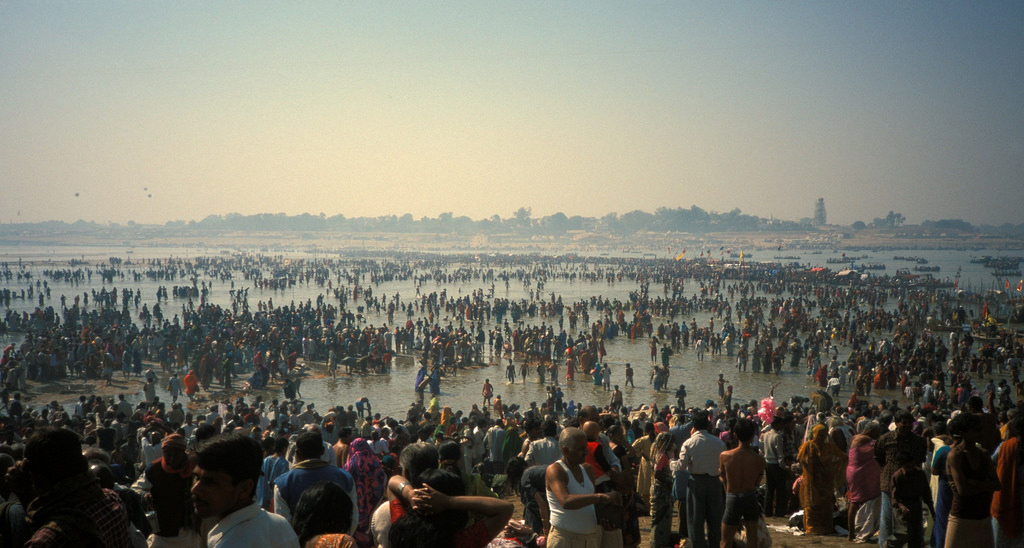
[
  {"x": 823, "y": 466},
  {"x": 1008, "y": 503},
  {"x": 191, "y": 384}
]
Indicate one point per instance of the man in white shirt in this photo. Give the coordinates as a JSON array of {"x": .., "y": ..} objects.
[
  {"x": 80, "y": 407},
  {"x": 494, "y": 438},
  {"x": 227, "y": 469},
  {"x": 379, "y": 444},
  {"x": 833, "y": 386},
  {"x": 150, "y": 446},
  {"x": 705, "y": 503},
  {"x": 546, "y": 450},
  {"x": 477, "y": 442},
  {"x": 123, "y": 407}
]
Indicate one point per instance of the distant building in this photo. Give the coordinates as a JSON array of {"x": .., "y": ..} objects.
[{"x": 819, "y": 213}]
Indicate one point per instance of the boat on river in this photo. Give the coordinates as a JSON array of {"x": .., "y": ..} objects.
[{"x": 910, "y": 258}]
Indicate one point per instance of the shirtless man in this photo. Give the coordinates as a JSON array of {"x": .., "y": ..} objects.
[
  {"x": 616, "y": 402},
  {"x": 742, "y": 469},
  {"x": 488, "y": 392}
]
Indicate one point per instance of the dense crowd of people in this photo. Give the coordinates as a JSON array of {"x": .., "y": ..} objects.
[{"x": 247, "y": 471}]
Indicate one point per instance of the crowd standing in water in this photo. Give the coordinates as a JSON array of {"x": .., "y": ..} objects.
[{"x": 248, "y": 468}]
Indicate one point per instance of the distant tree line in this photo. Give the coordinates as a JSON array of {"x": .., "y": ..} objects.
[{"x": 521, "y": 223}]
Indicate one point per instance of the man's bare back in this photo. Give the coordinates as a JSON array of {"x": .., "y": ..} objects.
[{"x": 742, "y": 469}]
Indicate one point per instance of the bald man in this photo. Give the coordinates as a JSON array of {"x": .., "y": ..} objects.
[
  {"x": 571, "y": 497},
  {"x": 591, "y": 414}
]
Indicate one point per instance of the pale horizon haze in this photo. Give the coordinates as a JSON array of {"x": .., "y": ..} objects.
[{"x": 161, "y": 111}]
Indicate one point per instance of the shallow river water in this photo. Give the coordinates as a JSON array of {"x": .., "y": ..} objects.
[{"x": 392, "y": 394}]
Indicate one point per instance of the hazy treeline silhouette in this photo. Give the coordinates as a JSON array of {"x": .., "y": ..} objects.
[{"x": 522, "y": 222}]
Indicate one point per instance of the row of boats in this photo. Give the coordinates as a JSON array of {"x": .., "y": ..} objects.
[{"x": 1002, "y": 267}]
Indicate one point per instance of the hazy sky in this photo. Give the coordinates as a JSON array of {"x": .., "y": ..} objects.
[{"x": 157, "y": 111}]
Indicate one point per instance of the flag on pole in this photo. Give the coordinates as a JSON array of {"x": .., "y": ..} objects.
[
  {"x": 1007, "y": 284},
  {"x": 1020, "y": 286},
  {"x": 681, "y": 255},
  {"x": 741, "y": 256}
]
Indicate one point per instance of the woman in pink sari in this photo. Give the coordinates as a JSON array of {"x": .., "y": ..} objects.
[
  {"x": 863, "y": 480},
  {"x": 370, "y": 479}
]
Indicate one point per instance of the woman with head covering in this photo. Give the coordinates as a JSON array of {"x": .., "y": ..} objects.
[
  {"x": 1008, "y": 503},
  {"x": 370, "y": 481},
  {"x": 644, "y": 475},
  {"x": 823, "y": 465},
  {"x": 863, "y": 479},
  {"x": 662, "y": 452},
  {"x": 942, "y": 493},
  {"x": 447, "y": 423},
  {"x": 191, "y": 384},
  {"x": 450, "y": 454}
]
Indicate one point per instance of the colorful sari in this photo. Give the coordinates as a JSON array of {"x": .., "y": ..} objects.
[
  {"x": 823, "y": 466},
  {"x": 447, "y": 422},
  {"x": 645, "y": 474},
  {"x": 370, "y": 480},
  {"x": 1006, "y": 505},
  {"x": 661, "y": 491},
  {"x": 335, "y": 541},
  {"x": 191, "y": 383}
]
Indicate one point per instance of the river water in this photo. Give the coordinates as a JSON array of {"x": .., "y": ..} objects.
[{"x": 392, "y": 394}]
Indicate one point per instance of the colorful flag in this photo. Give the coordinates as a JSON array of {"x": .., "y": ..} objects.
[
  {"x": 1020, "y": 286},
  {"x": 680, "y": 256},
  {"x": 1007, "y": 284}
]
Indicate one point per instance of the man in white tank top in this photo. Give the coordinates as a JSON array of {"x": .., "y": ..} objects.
[{"x": 571, "y": 496}]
